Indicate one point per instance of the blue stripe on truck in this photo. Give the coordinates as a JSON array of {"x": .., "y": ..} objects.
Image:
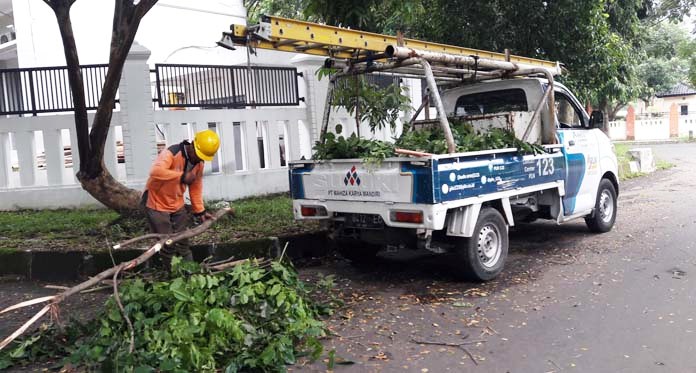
[
  {"x": 421, "y": 184},
  {"x": 462, "y": 177},
  {"x": 295, "y": 180}
]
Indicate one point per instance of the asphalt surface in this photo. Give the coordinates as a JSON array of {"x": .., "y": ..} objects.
[{"x": 568, "y": 300}]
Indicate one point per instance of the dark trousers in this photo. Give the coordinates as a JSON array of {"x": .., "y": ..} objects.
[{"x": 167, "y": 223}]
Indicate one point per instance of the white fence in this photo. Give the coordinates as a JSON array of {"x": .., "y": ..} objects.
[
  {"x": 617, "y": 130},
  {"x": 687, "y": 125},
  {"x": 647, "y": 128},
  {"x": 652, "y": 128},
  {"x": 38, "y": 155}
]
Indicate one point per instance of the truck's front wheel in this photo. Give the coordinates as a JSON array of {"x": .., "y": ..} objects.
[
  {"x": 483, "y": 255},
  {"x": 604, "y": 215}
]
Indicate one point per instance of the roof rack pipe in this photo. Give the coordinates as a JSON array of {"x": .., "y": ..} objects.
[
  {"x": 394, "y": 51},
  {"x": 548, "y": 133},
  {"x": 432, "y": 85}
]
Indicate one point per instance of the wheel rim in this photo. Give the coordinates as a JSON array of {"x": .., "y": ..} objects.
[
  {"x": 606, "y": 206},
  {"x": 490, "y": 245}
]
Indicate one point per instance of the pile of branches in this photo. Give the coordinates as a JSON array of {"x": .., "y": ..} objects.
[
  {"x": 231, "y": 316},
  {"x": 431, "y": 141}
]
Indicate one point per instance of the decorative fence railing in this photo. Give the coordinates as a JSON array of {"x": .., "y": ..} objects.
[
  {"x": 231, "y": 87},
  {"x": 39, "y": 90}
]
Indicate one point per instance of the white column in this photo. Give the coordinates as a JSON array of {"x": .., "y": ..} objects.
[
  {"x": 137, "y": 118},
  {"x": 273, "y": 146},
  {"x": 313, "y": 90},
  {"x": 253, "y": 161},
  {"x": 110, "y": 152},
  {"x": 5, "y": 159},
  {"x": 227, "y": 151},
  {"x": 75, "y": 154},
  {"x": 293, "y": 152},
  {"x": 26, "y": 156},
  {"x": 55, "y": 156}
]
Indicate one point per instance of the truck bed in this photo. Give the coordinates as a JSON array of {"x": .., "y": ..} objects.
[{"x": 428, "y": 180}]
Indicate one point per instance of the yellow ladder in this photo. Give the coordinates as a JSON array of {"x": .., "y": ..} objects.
[{"x": 283, "y": 34}]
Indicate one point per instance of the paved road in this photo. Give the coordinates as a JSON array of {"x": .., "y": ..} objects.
[{"x": 568, "y": 300}]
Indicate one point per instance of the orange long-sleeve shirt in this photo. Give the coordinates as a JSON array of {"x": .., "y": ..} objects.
[{"x": 164, "y": 186}]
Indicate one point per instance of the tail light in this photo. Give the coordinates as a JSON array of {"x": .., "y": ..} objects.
[
  {"x": 414, "y": 217},
  {"x": 313, "y": 211}
]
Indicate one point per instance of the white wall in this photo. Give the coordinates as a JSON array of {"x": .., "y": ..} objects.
[{"x": 168, "y": 27}]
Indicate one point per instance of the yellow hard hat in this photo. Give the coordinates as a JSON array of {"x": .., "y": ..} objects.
[{"x": 206, "y": 144}]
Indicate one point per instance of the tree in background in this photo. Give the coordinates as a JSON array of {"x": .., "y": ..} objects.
[
  {"x": 599, "y": 42},
  {"x": 668, "y": 53},
  {"x": 93, "y": 175}
]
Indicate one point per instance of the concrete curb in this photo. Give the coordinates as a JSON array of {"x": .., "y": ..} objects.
[
  {"x": 649, "y": 142},
  {"x": 71, "y": 265}
]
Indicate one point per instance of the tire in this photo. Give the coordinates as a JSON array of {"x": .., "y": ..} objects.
[
  {"x": 604, "y": 215},
  {"x": 358, "y": 252},
  {"x": 483, "y": 255}
]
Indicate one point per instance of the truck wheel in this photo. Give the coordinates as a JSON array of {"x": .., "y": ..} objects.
[
  {"x": 483, "y": 255},
  {"x": 604, "y": 215},
  {"x": 357, "y": 252}
]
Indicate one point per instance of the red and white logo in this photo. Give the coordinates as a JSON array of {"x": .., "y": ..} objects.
[{"x": 352, "y": 177}]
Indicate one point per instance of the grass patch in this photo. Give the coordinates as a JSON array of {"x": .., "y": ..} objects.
[
  {"x": 663, "y": 165},
  {"x": 96, "y": 229},
  {"x": 624, "y": 158}
]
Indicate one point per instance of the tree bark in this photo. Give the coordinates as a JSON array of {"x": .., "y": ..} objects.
[
  {"x": 110, "y": 192},
  {"x": 93, "y": 175},
  {"x": 61, "y": 8}
]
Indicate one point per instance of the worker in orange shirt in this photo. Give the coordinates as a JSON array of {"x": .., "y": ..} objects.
[{"x": 176, "y": 168}]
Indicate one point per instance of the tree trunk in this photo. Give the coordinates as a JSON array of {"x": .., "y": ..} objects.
[
  {"x": 93, "y": 175},
  {"x": 61, "y": 8},
  {"x": 107, "y": 190},
  {"x": 614, "y": 110}
]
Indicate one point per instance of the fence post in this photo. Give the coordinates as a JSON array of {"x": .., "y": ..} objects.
[
  {"x": 137, "y": 117},
  {"x": 673, "y": 121},
  {"x": 314, "y": 90},
  {"x": 5, "y": 159},
  {"x": 26, "y": 157},
  {"x": 55, "y": 156},
  {"x": 631, "y": 123}
]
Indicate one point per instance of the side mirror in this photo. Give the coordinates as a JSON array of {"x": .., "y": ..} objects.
[{"x": 597, "y": 119}]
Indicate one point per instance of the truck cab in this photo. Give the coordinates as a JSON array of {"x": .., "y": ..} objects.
[{"x": 589, "y": 156}]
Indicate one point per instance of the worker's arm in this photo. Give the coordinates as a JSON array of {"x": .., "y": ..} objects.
[
  {"x": 161, "y": 168},
  {"x": 196, "y": 191}
]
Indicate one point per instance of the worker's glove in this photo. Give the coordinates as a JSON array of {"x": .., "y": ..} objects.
[{"x": 203, "y": 216}]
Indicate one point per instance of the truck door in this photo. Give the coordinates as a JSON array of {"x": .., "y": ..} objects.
[{"x": 581, "y": 149}]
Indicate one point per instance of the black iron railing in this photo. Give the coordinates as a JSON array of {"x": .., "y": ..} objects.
[
  {"x": 46, "y": 89},
  {"x": 213, "y": 86}
]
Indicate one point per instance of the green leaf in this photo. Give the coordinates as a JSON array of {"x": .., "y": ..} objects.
[
  {"x": 274, "y": 290},
  {"x": 280, "y": 299},
  {"x": 144, "y": 369}
]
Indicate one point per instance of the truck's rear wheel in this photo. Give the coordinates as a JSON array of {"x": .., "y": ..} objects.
[
  {"x": 483, "y": 255},
  {"x": 604, "y": 215},
  {"x": 357, "y": 252}
]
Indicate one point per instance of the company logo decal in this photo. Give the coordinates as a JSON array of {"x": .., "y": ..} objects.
[{"x": 352, "y": 177}]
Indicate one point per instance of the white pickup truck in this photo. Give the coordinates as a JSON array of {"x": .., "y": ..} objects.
[
  {"x": 458, "y": 203},
  {"x": 464, "y": 203}
]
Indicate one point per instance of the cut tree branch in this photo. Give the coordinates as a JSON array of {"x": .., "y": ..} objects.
[
  {"x": 117, "y": 298},
  {"x": 57, "y": 299}
]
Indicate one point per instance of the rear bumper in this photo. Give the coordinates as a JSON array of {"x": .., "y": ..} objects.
[{"x": 433, "y": 215}]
